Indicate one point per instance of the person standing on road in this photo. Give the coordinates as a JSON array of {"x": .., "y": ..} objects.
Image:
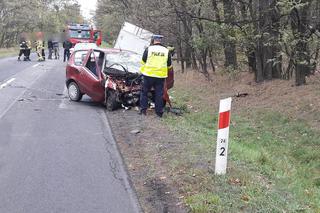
[
  {"x": 67, "y": 45},
  {"x": 50, "y": 48},
  {"x": 23, "y": 46},
  {"x": 55, "y": 45},
  {"x": 40, "y": 47},
  {"x": 40, "y": 50},
  {"x": 28, "y": 50},
  {"x": 156, "y": 61}
]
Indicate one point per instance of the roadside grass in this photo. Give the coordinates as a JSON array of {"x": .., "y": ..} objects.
[
  {"x": 274, "y": 160},
  {"x": 5, "y": 52}
]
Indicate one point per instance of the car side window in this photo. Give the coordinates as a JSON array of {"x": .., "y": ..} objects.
[
  {"x": 91, "y": 64},
  {"x": 79, "y": 56},
  {"x": 100, "y": 59}
]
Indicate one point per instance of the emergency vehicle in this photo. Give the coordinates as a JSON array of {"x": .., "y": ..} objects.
[{"x": 83, "y": 33}]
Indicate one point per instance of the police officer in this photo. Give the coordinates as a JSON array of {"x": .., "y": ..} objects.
[{"x": 156, "y": 61}]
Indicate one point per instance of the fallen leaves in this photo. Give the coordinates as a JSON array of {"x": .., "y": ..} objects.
[
  {"x": 245, "y": 198},
  {"x": 235, "y": 181},
  {"x": 162, "y": 178}
]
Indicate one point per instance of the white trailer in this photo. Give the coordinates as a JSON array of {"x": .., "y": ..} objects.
[{"x": 133, "y": 38}]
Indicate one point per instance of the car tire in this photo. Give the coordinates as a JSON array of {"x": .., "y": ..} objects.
[
  {"x": 74, "y": 91},
  {"x": 111, "y": 102}
]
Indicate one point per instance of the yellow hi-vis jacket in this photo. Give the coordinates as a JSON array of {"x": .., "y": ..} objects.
[
  {"x": 156, "y": 63},
  {"x": 39, "y": 45},
  {"x": 29, "y": 44}
]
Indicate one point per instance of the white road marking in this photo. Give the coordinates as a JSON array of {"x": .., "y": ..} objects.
[
  {"x": 21, "y": 94},
  {"x": 63, "y": 104},
  {"x": 6, "y": 83},
  {"x": 36, "y": 65}
]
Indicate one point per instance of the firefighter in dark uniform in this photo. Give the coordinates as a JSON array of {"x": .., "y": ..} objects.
[
  {"x": 156, "y": 62},
  {"x": 23, "y": 48},
  {"x": 28, "y": 50},
  {"x": 50, "y": 48},
  {"x": 67, "y": 45}
]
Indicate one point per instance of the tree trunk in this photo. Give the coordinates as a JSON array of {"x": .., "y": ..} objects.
[
  {"x": 187, "y": 29},
  {"x": 276, "y": 36},
  {"x": 211, "y": 61},
  {"x": 268, "y": 57},
  {"x": 299, "y": 24},
  {"x": 194, "y": 60},
  {"x": 252, "y": 63},
  {"x": 259, "y": 76},
  {"x": 229, "y": 44}
]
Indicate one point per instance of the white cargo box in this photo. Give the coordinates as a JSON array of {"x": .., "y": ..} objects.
[{"x": 133, "y": 38}]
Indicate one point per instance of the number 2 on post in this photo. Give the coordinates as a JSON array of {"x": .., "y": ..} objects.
[{"x": 223, "y": 150}]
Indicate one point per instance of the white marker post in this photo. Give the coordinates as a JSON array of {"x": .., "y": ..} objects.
[{"x": 223, "y": 136}]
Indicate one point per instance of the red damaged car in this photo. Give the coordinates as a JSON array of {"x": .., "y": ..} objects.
[{"x": 110, "y": 76}]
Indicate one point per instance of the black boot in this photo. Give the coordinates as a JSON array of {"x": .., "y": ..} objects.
[{"x": 142, "y": 112}]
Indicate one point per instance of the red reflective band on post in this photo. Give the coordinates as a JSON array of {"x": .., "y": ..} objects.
[{"x": 224, "y": 119}]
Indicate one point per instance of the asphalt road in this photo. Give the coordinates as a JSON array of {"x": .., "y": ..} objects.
[{"x": 55, "y": 155}]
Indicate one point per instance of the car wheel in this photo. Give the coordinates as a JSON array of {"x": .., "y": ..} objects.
[
  {"x": 111, "y": 103},
  {"x": 74, "y": 91}
]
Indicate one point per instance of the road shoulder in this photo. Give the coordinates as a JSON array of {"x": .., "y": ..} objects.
[{"x": 142, "y": 141}]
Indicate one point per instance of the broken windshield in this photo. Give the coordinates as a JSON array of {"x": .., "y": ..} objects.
[{"x": 129, "y": 60}]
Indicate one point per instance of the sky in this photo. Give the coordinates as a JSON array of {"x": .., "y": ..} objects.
[{"x": 87, "y": 6}]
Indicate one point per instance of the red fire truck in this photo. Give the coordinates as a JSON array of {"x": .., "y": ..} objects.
[{"x": 83, "y": 33}]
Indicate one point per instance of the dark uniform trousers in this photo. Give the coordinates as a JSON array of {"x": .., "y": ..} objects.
[
  {"x": 157, "y": 84},
  {"x": 66, "y": 55}
]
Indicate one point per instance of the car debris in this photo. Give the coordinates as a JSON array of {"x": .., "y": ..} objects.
[{"x": 122, "y": 86}]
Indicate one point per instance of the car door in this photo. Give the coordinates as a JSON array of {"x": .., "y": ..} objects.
[
  {"x": 170, "y": 78},
  {"x": 90, "y": 78},
  {"x": 73, "y": 69}
]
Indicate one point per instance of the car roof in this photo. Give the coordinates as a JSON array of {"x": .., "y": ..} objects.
[
  {"x": 84, "y": 45},
  {"x": 115, "y": 50},
  {"x": 87, "y": 43},
  {"x": 107, "y": 50}
]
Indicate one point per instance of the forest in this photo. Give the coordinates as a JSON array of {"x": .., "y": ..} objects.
[
  {"x": 48, "y": 16},
  {"x": 274, "y": 39}
]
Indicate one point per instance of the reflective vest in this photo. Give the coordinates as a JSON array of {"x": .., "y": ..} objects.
[
  {"x": 156, "y": 64},
  {"x": 39, "y": 45},
  {"x": 29, "y": 44},
  {"x": 23, "y": 45}
]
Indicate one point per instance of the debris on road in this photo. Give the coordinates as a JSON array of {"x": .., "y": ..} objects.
[
  {"x": 241, "y": 95},
  {"x": 135, "y": 131}
]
